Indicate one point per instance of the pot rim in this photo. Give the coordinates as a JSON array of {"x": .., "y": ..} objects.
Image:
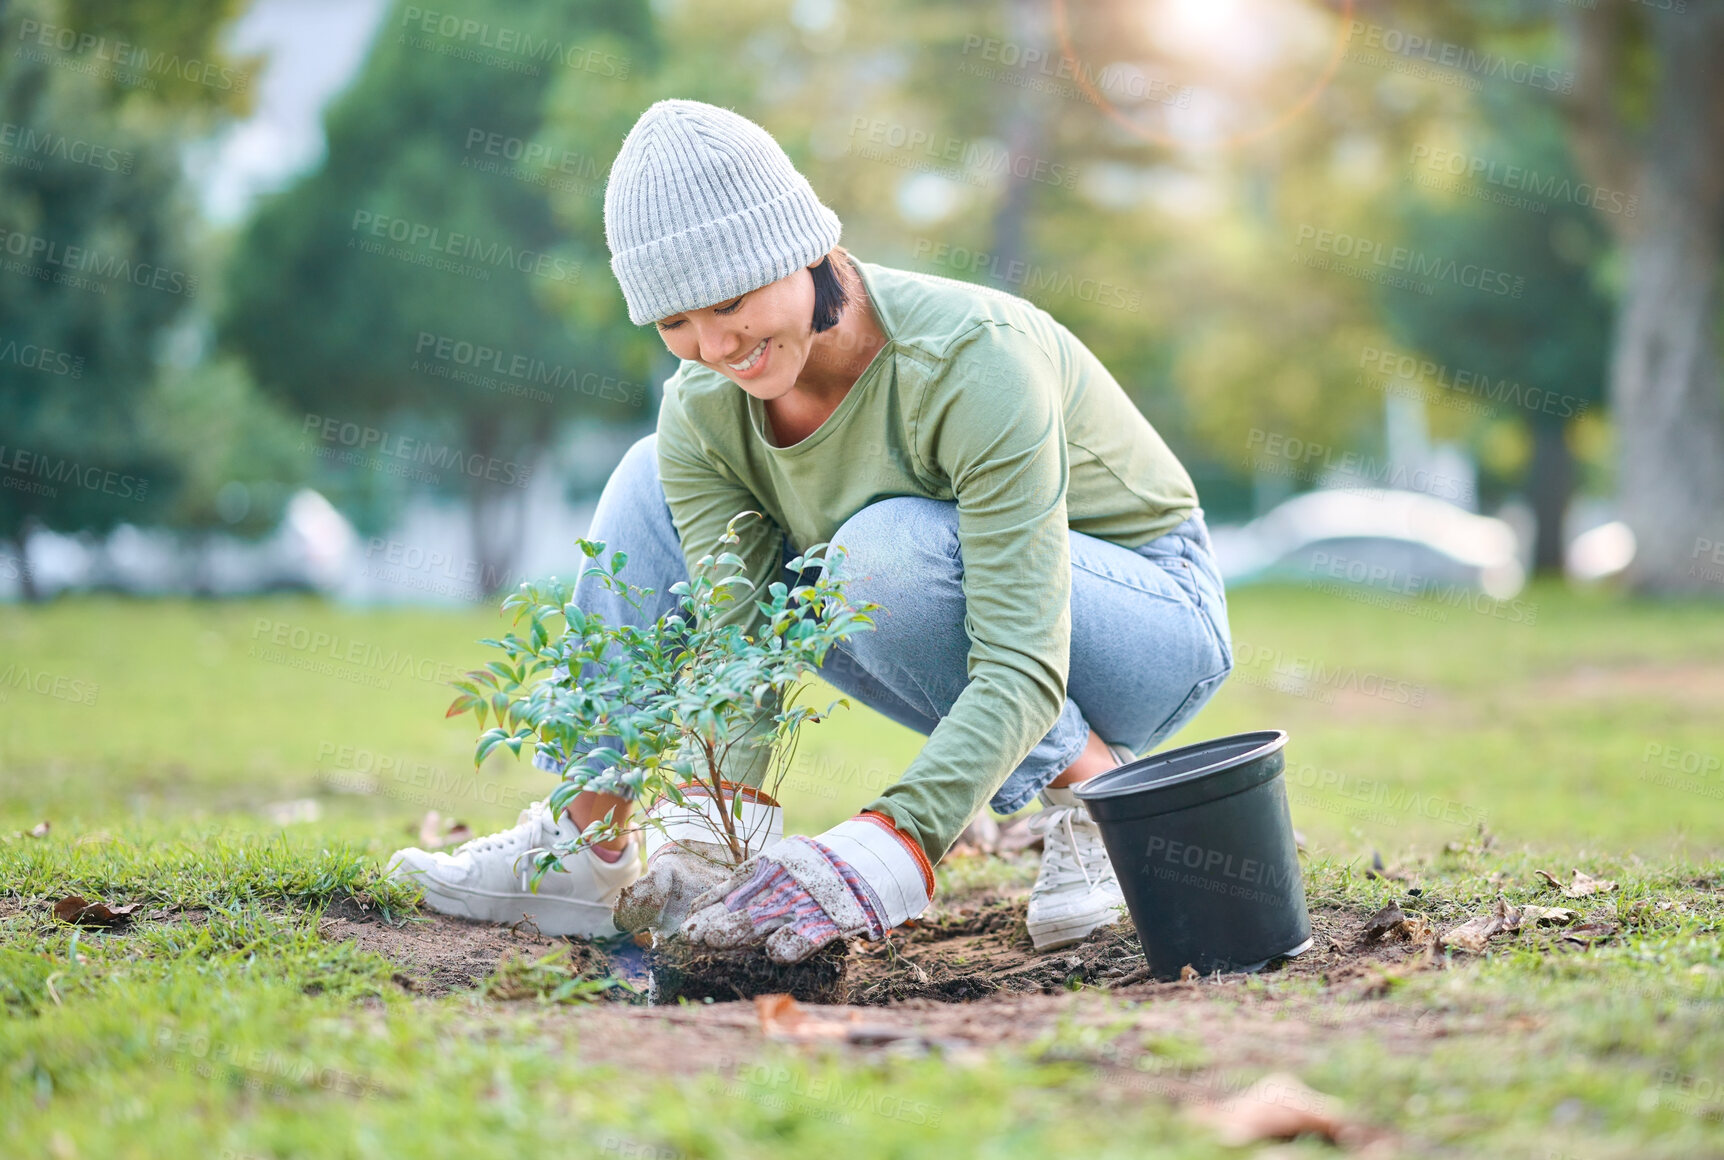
[{"x": 1098, "y": 788}]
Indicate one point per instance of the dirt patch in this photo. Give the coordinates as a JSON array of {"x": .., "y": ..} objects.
[
  {"x": 438, "y": 954},
  {"x": 1691, "y": 686},
  {"x": 978, "y": 949},
  {"x": 681, "y": 970},
  {"x": 984, "y": 949}
]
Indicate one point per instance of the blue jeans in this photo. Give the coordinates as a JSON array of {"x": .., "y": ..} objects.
[{"x": 1150, "y": 641}]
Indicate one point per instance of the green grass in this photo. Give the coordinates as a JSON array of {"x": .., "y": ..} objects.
[{"x": 245, "y": 1034}]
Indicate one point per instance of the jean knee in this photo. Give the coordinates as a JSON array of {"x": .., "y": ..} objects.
[
  {"x": 884, "y": 537},
  {"x": 639, "y": 463}
]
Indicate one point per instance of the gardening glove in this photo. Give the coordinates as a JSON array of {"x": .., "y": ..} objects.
[
  {"x": 862, "y": 877},
  {"x": 688, "y": 854}
]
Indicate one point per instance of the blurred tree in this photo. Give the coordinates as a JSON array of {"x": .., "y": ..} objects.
[
  {"x": 94, "y": 228},
  {"x": 1544, "y": 349},
  {"x": 417, "y": 282},
  {"x": 235, "y": 456},
  {"x": 1647, "y": 114}
]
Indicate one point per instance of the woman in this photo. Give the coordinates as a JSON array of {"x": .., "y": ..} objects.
[{"x": 1050, "y": 604}]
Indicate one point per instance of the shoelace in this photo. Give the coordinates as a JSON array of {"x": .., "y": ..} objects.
[
  {"x": 1063, "y": 858},
  {"x": 536, "y": 814}
]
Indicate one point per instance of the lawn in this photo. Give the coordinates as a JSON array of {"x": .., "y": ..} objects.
[{"x": 241, "y": 771}]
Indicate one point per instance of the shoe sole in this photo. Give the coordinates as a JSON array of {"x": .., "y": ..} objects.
[
  {"x": 558, "y": 917},
  {"x": 1063, "y": 932}
]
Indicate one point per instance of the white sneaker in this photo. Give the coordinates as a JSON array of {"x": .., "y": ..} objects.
[
  {"x": 1076, "y": 892},
  {"x": 488, "y": 878}
]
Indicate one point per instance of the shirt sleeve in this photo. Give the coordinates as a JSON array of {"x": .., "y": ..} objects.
[
  {"x": 993, "y": 424},
  {"x": 703, "y": 495}
]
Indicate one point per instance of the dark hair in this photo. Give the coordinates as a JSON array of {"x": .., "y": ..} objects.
[{"x": 831, "y": 294}]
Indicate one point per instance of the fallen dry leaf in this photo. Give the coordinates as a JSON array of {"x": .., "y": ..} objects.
[
  {"x": 782, "y": 1017},
  {"x": 1475, "y": 934},
  {"x": 1276, "y": 1107},
  {"x": 1546, "y": 915},
  {"x": 1580, "y": 885},
  {"x": 1390, "y": 918},
  {"x": 75, "y": 908},
  {"x": 1393, "y": 921},
  {"x": 1584, "y": 884},
  {"x": 39, "y": 830},
  {"x": 1590, "y": 932}
]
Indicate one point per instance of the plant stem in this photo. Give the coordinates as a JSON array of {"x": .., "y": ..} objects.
[{"x": 717, "y": 783}]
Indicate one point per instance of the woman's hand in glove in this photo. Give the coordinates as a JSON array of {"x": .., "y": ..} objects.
[
  {"x": 687, "y": 855},
  {"x": 862, "y": 877}
]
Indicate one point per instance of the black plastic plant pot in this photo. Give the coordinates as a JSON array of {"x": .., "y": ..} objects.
[{"x": 1203, "y": 845}]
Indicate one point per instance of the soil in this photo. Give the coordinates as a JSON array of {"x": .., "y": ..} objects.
[
  {"x": 438, "y": 954},
  {"x": 978, "y": 948},
  {"x": 682, "y": 971}
]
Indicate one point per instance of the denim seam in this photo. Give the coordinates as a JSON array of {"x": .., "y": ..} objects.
[{"x": 1126, "y": 583}]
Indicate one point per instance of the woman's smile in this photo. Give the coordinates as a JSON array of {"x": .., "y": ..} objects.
[{"x": 754, "y": 362}]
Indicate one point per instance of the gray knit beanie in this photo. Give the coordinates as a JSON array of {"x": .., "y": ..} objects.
[{"x": 702, "y": 205}]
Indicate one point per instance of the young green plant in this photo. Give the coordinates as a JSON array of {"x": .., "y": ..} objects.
[{"x": 642, "y": 712}]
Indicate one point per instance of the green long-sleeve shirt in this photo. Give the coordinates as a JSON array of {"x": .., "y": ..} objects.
[{"x": 980, "y": 397}]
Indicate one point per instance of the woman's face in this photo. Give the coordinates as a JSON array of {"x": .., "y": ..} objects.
[{"x": 758, "y": 341}]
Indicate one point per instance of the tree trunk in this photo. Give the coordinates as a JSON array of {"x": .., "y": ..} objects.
[
  {"x": 497, "y": 514},
  {"x": 1664, "y": 384},
  {"x": 1020, "y": 126},
  {"x": 1550, "y": 485},
  {"x": 26, "y": 578}
]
